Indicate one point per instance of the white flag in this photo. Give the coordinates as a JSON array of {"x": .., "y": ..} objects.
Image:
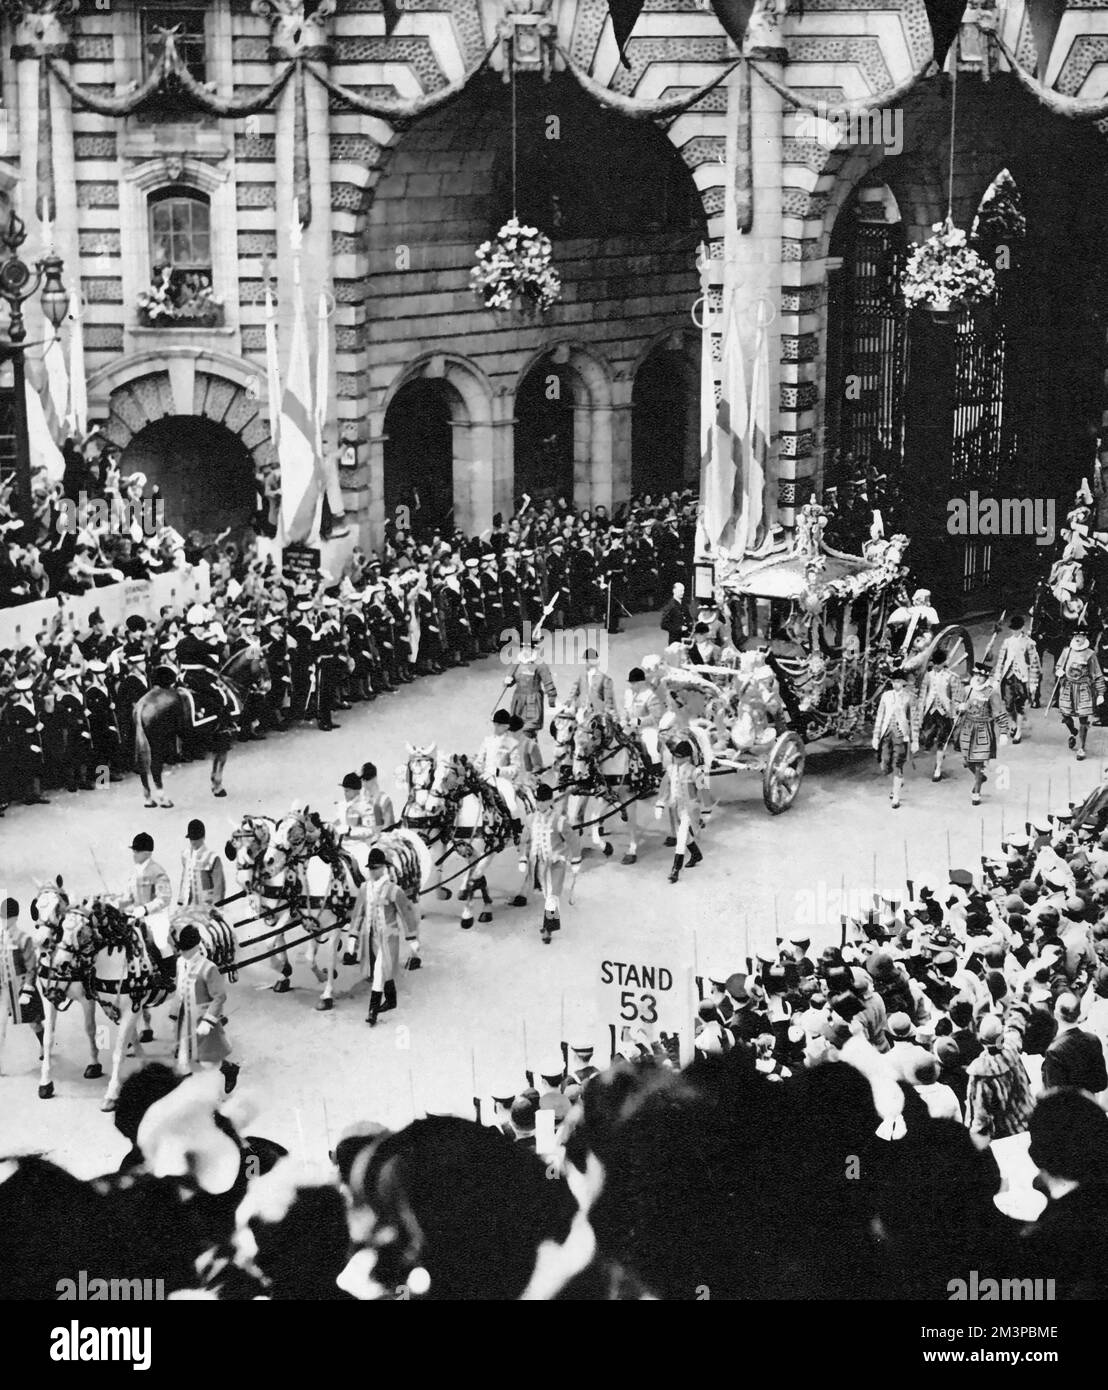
[
  {"x": 272, "y": 366},
  {"x": 45, "y": 454},
  {"x": 76, "y": 421},
  {"x": 758, "y": 437},
  {"x": 296, "y": 430}
]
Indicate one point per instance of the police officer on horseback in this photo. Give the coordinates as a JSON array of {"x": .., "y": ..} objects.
[{"x": 198, "y": 654}]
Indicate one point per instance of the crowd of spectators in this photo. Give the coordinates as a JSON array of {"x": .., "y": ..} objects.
[{"x": 838, "y": 1135}]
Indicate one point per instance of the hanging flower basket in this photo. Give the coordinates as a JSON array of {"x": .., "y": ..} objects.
[
  {"x": 516, "y": 269},
  {"x": 945, "y": 275}
]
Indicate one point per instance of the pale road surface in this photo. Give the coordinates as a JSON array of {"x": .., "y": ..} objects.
[{"x": 490, "y": 1000}]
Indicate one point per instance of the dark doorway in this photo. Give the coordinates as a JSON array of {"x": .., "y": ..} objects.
[
  {"x": 663, "y": 419},
  {"x": 419, "y": 456},
  {"x": 544, "y": 453},
  {"x": 204, "y": 472}
]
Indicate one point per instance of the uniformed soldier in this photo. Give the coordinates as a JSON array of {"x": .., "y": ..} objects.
[
  {"x": 107, "y": 743},
  {"x": 613, "y": 569},
  {"x": 131, "y": 687},
  {"x": 301, "y": 638},
  {"x": 22, "y": 722},
  {"x": 198, "y": 654},
  {"x": 328, "y": 662},
  {"x": 580, "y": 1068},
  {"x": 474, "y": 599},
  {"x": 494, "y": 601},
  {"x": 202, "y": 881}
]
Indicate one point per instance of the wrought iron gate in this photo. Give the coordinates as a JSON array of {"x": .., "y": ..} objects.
[{"x": 865, "y": 412}]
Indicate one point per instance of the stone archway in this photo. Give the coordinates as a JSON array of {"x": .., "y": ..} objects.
[
  {"x": 203, "y": 471},
  {"x": 581, "y": 442},
  {"x": 464, "y": 392},
  {"x": 128, "y": 396},
  {"x": 665, "y": 416},
  {"x": 222, "y": 442}
]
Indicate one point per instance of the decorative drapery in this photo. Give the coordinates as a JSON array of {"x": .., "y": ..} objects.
[
  {"x": 846, "y": 110},
  {"x": 397, "y": 108},
  {"x": 1073, "y": 108},
  {"x": 168, "y": 75},
  {"x": 46, "y": 203},
  {"x": 637, "y": 108}
]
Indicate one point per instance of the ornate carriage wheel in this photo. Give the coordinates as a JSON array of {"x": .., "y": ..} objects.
[
  {"x": 783, "y": 772},
  {"x": 956, "y": 642}
]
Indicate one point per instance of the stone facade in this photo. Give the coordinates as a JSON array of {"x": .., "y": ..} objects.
[{"x": 376, "y": 185}]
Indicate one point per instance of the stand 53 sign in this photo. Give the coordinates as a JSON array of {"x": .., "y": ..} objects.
[{"x": 651, "y": 996}]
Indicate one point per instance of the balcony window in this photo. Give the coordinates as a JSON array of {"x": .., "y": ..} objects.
[{"x": 181, "y": 289}]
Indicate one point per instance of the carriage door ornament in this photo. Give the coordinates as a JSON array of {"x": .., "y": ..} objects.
[{"x": 528, "y": 33}]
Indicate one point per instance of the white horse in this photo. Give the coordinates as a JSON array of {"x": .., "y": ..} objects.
[
  {"x": 459, "y": 815},
  {"x": 611, "y": 767},
  {"x": 330, "y": 874},
  {"x": 99, "y": 955},
  {"x": 267, "y": 891}
]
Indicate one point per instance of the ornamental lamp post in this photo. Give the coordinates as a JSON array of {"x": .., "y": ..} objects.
[{"x": 18, "y": 283}]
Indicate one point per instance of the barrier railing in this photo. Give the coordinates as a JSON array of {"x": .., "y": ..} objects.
[{"x": 179, "y": 588}]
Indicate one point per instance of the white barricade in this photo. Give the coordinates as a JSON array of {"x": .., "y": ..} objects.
[{"x": 116, "y": 602}]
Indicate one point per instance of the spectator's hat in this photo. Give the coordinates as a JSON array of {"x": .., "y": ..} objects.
[
  {"x": 96, "y": 667},
  {"x": 377, "y": 858},
  {"x": 1063, "y": 815},
  {"x": 961, "y": 878},
  {"x": 800, "y": 937},
  {"x": 304, "y": 605},
  {"x": 900, "y": 1028},
  {"x": 947, "y": 1051},
  {"x": 1019, "y": 842},
  {"x": 581, "y": 1048}
]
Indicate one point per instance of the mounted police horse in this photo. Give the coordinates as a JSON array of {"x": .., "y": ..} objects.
[
  {"x": 169, "y": 711},
  {"x": 459, "y": 815},
  {"x": 331, "y": 873},
  {"x": 99, "y": 955}
]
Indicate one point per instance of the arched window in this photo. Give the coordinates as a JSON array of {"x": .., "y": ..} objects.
[{"x": 181, "y": 252}]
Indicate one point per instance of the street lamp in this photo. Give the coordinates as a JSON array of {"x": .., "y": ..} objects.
[{"x": 18, "y": 282}]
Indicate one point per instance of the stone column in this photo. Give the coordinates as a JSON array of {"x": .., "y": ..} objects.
[
  {"x": 621, "y": 414},
  {"x": 502, "y": 457},
  {"x": 474, "y": 489},
  {"x": 759, "y": 253}
]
